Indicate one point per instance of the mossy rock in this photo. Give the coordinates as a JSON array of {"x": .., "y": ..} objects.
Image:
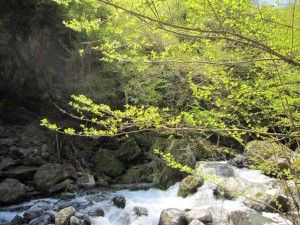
[
  {"x": 129, "y": 150},
  {"x": 267, "y": 149},
  {"x": 107, "y": 163},
  {"x": 136, "y": 174},
  {"x": 189, "y": 185}
]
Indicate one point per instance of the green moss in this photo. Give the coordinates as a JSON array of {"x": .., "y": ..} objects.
[
  {"x": 129, "y": 150},
  {"x": 136, "y": 174},
  {"x": 189, "y": 185},
  {"x": 107, "y": 163}
]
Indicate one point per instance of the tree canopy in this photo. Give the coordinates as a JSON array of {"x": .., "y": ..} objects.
[{"x": 229, "y": 67}]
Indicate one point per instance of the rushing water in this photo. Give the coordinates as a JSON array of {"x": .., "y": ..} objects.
[{"x": 153, "y": 200}]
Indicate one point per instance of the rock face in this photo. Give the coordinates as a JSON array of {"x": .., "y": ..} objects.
[
  {"x": 64, "y": 215},
  {"x": 107, "y": 163},
  {"x": 189, "y": 185},
  {"x": 171, "y": 216},
  {"x": 51, "y": 174},
  {"x": 11, "y": 190}
]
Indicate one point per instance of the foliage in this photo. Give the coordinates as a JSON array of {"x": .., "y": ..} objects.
[{"x": 229, "y": 67}]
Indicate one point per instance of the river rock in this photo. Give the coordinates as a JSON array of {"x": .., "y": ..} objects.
[
  {"x": 203, "y": 215},
  {"x": 171, "y": 216},
  {"x": 189, "y": 185},
  {"x": 60, "y": 186},
  {"x": 42, "y": 220},
  {"x": 11, "y": 190},
  {"x": 83, "y": 217},
  {"x": 51, "y": 174},
  {"x": 107, "y": 163},
  {"x": 238, "y": 217},
  {"x": 96, "y": 211},
  {"x": 238, "y": 161},
  {"x": 39, "y": 209},
  {"x": 140, "y": 211},
  {"x": 17, "y": 220},
  {"x": 196, "y": 222},
  {"x": 86, "y": 180},
  {"x": 76, "y": 221},
  {"x": 129, "y": 150},
  {"x": 64, "y": 215},
  {"x": 119, "y": 201}
]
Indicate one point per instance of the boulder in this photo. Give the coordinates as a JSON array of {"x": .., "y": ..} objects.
[
  {"x": 42, "y": 220},
  {"x": 171, "y": 216},
  {"x": 189, "y": 185},
  {"x": 269, "y": 156},
  {"x": 219, "y": 214},
  {"x": 7, "y": 163},
  {"x": 239, "y": 161},
  {"x": 60, "y": 186},
  {"x": 17, "y": 220},
  {"x": 140, "y": 211},
  {"x": 203, "y": 215},
  {"x": 119, "y": 201},
  {"x": 271, "y": 203},
  {"x": 64, "y": 215},
  {"x": 238, "y": 217},
  {"x": 83, "y": 217},
  {"x": 76, "y": 221},
  {"x": 96, "y": 211},
  {"x": 182, "y": 152},
  {"x": 86, "y": 180},
  {"x": 129, "y": 150},
  {"x": 11, "y": 190},
  {"x": 107, "y": 163},
  {"x": 21, "y": 173},
  {"x": 136, "y": 174},
  {"x": 51, "y": 174},
  {"x": 38, "y": 209},
  {"x": 196, "y": 222}
]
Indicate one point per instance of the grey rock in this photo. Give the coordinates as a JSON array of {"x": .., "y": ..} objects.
[
  {"x": 7, "y": 163},
  {"x": 51, "y": 174},
  {"x": 171, "y": 216},
  {"x": 86, "y": 180},
  {"x": 140, "y": 211},
  {"x": 119, "y": 201},
  {"x": 96, "y": 211},
  {"x": 42, "y": 220},
  {"x": 11, "y": 190},
  {"x": 196, "y": 222},
  {"x": 239, "y": 217},
  {"x": 203, "y": 215},
  {"x": 84, "y": 217},
  {"x": 60, "y": 186},
  {"x": 21, "y": 173},
  {"x": 17, "y": 220}
]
